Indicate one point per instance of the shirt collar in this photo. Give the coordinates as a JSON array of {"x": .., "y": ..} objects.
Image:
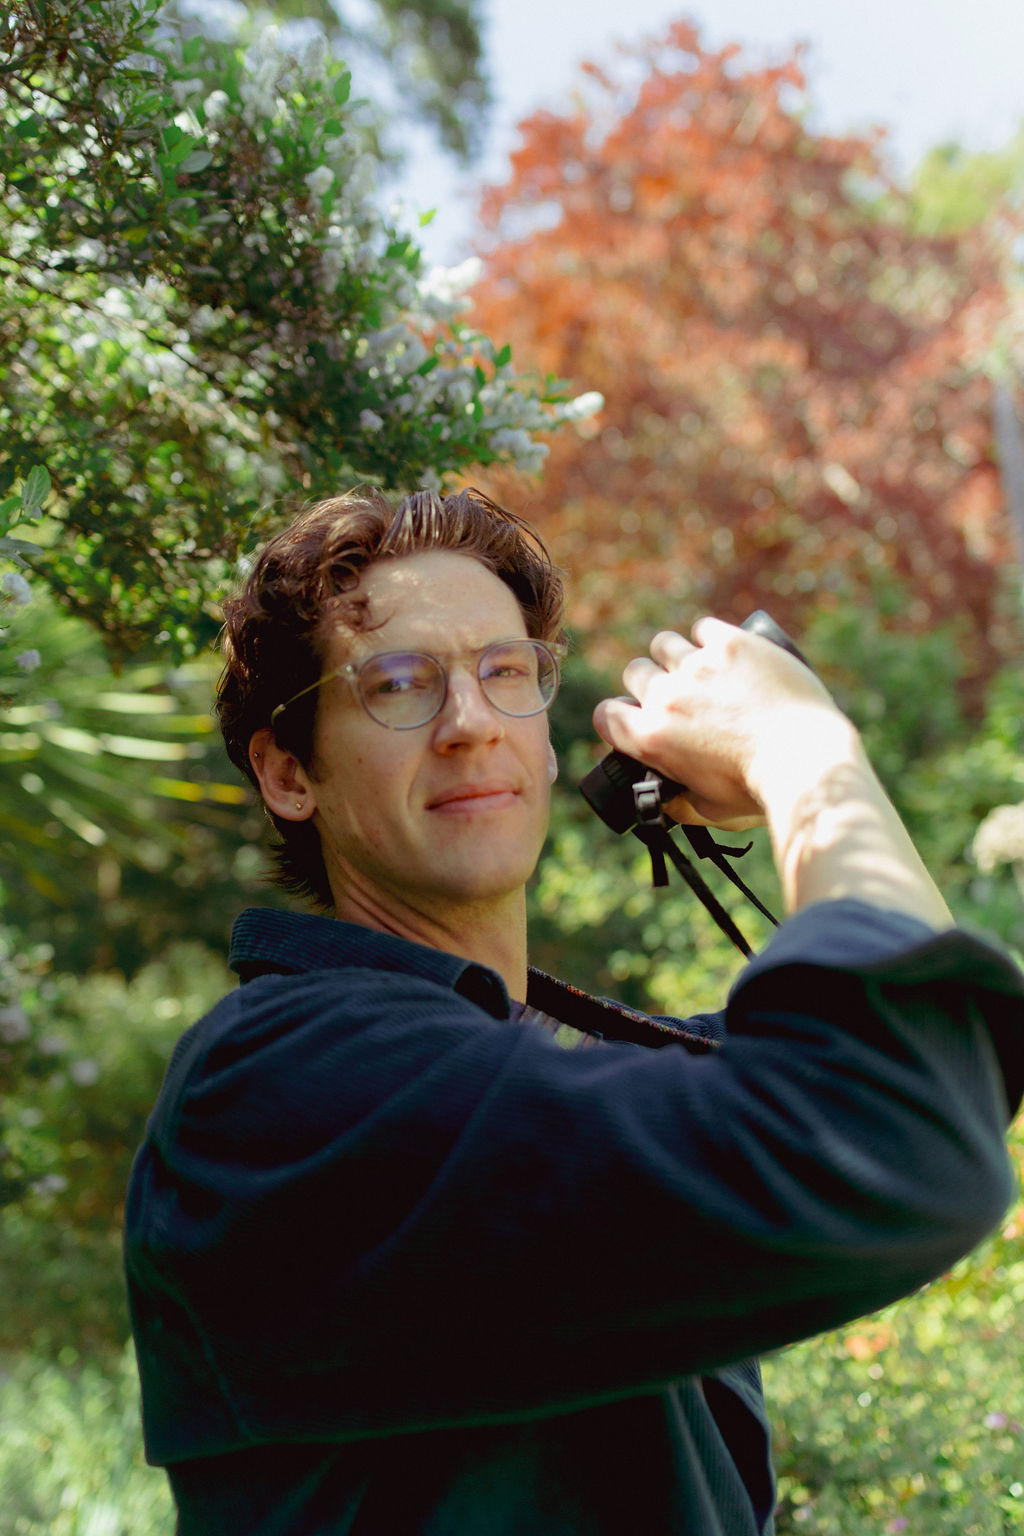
[{"x": 269, "y": 940}]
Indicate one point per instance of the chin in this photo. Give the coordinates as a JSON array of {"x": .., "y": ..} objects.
[{"x": 483, "y": 885}]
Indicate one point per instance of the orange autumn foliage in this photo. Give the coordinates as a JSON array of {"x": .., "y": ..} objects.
[{"x": 795, "y": 402}]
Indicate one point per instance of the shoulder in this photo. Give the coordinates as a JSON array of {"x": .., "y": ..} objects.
[{"x": 300, "y": 1043}]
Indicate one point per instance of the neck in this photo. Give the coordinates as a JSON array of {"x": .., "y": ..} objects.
[{"x": 492, "y": 933}]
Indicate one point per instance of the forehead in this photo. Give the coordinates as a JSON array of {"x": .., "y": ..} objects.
[{"x": 437, "y": 600}]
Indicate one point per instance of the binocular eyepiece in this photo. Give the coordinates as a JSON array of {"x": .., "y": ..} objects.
[{"x": 608, "y": 788}]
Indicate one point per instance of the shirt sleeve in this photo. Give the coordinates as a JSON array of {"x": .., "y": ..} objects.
[{"x": 404, "y": 1213}]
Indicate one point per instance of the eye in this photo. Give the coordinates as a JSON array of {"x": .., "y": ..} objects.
[
  {"x": 393, "y": 676},
  {"x": 509, "y": 664}
]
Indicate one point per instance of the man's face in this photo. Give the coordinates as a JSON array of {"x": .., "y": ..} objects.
[{"x": 449, "y": 814}]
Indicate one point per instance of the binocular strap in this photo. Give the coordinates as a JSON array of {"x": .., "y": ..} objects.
[{"x": 659, "y": 845}]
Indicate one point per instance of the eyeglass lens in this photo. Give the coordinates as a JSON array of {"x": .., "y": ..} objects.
[{"x": 402, "y": 689}]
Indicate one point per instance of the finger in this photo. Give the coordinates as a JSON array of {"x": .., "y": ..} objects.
[
  {"x": 639, "y": 674},
  {"x": 669, "y": 648},
  {"x": 709, "y": 631},
  {"x": 614, "y": 721}
]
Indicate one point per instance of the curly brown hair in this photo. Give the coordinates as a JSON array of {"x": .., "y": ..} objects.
[{"x": 277, "y": 626}]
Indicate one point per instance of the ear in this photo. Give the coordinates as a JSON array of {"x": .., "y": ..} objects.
[
  {"x": 552, "y": 764},
  {"x": 285, "y": 785}
]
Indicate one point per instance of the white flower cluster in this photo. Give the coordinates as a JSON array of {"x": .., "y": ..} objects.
[
  {"x": 502, "y": 412},
  {"x": 16, "y": 588},
  {"x": 443, "y": 293},
  {"x": 1000, "y": 839},
  {"x": 419, "y": 314},
  {"x": 268, "y": 67}
]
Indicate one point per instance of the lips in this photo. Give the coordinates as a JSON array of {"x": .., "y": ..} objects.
[{"x": 490, "y": 794}]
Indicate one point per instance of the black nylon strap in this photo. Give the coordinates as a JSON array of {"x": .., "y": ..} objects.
[
  {"x": 651, "y": 830},
  {"x": 705, "y": 847},
  {"x": 658, "y": 843}
]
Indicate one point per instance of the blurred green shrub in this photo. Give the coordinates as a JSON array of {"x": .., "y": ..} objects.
[
  {"x": 911, "y": 1421},
  {"x": 81, "y": 1061},
  {"x": 71, "y": 1459}
]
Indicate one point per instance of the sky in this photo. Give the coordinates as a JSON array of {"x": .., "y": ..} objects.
[{"x": 928, "y": 70}]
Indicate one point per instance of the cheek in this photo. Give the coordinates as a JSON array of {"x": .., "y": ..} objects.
[{"x": 364, "y": 789}]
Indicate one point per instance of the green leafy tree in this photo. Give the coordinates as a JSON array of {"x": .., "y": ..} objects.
[
  {"x": 955, "y": 189},
  {"x": 432, "y": 53},
  {"x": 796, "y": 380},
  {"x": 205, "y": 315}
]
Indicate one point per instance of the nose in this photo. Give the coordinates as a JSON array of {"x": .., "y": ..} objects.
[{"x": 466, "y": 717}]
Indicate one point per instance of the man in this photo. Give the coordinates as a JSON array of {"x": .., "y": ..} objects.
[{"x": 400, "y": 1263}]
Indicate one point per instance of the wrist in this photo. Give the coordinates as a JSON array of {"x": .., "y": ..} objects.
[
  {"x": 806, "y": 748},
  {"x": 835, "y": 833}
]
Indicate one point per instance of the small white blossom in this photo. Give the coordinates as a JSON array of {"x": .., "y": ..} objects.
[
  {"x": 216, "y": 106},
  {"x": 460, "y": 391},
  {"x": 50, "y": 1184},
  {"x": 182, "y": 90},
  {"x": 267, "y": 45},
  {"x": 370, "y": 421},
  {"x": 450, "y": 283},
  {"x": 28, "y": 660},
  {"x": 14, "y": 1024},
  {"x": 320, "y": 180},
  {"x": 513, "y": 441},
  {"x": 361, "y": 178},
  {"x": 332, "y": 265},
  {"x": 313, "y": 56},
  {"x": 17, "y": 588},
  {"x": 583, "y": 406},
  {"x": 413, "y": 355},
  {"x": 1000, "y": 838}
]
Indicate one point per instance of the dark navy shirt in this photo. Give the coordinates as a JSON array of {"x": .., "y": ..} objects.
[{"x": 399, "y": 1263}]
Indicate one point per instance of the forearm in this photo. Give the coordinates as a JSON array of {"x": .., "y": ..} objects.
[{"x": 835, "y": 833}]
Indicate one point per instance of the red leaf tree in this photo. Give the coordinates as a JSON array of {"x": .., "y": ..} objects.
[{"x": 795, "y": 402}]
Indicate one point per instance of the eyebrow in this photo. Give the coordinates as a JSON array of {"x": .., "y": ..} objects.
[{"x": 443, "y": 656}]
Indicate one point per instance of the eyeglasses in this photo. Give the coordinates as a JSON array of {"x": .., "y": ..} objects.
[{"x": 404, "y": 689}]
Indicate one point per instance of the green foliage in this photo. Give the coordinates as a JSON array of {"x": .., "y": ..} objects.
[
  {"x": 947, "y": 756},
  {"x": 71, "y": 1454},
  {"x": 123, "y": 827},
  {"x": 90, "y": 759},
  {"x": 432, "y": 51},
  {"x": 201, "y": 304},
  {"x": 437, "y": 45},
  {"x": 24, "y": 505},
  {"x": 911, "y": 1421},
  {"x": 81, "y": 1061},
  {"x": 955, "y": 189}
]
